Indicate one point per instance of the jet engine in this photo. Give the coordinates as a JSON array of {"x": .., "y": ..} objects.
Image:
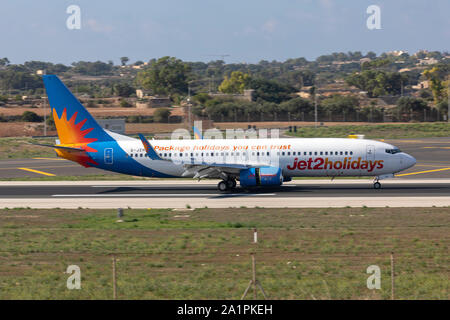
[{"x": 264, "y": 176}]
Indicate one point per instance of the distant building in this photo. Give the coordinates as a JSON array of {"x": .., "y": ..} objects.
[
  {"x": 427, "y": 61},
  {"x": 148, "y": 101},
  {"x": 362, "y": 60},
  {"x": 421, "y": 85},
  {"x": 114, "y": 125},
  {"x": 396, "y": 53},
  {"x": 140, "y": 94}
]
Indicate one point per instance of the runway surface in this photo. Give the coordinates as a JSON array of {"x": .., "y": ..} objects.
[
  {"x": 179, "y": 194},
  {"x": 432, "y": 154},
  {"x": 307, "y": 188}
]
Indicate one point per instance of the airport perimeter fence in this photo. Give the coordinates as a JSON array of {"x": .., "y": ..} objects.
[
  {"x": 223, "y": 274},
  {"x": 375, "y": 115}
]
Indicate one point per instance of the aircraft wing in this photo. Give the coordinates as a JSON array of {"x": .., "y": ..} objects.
[{"x": 215, "y": 170}]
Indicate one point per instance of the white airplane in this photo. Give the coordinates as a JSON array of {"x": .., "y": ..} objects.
[{"x": 252, "y": 162}]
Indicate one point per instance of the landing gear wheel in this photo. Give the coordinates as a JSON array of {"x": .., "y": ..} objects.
[
  {"x": 222, "y": 186},
  {"x": 231, "y": 184},
  {"x": 377, "y": 185}
]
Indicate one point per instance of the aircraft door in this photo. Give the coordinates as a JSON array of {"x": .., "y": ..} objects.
[
  {"x": 370, "y": 153},
  {"x": 108, "y": 156}
]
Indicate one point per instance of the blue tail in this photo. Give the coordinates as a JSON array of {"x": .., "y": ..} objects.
[{"x": 74, "y": 123}]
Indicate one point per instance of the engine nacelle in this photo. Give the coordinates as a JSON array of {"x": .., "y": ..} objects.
[{"x": 264, "y": 176}]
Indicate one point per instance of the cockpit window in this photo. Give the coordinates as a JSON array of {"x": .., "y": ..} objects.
[{"x": 393, "y": 151}]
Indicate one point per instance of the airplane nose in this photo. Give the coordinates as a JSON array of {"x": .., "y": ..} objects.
[{"x": 408, "y": 161}]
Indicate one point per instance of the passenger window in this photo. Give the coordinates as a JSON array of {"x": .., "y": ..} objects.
[
  {"x": 321, "y": 153},
  {"x": 342, "y": 153},
  {"x": 282, "y": 153},
  {"x": 326, "y": 153},
  {"x": 346, "y": 152},
  {"x": 131, "y": 155},
  {"x": 268, "y": 153},
  {"x": 288, "y": 153},
  {"x": 310, "y": 153},
  {"x": 351, "y": 153}
]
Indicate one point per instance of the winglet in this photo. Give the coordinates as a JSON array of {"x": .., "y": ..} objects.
[{"x": 149, "y": 149}]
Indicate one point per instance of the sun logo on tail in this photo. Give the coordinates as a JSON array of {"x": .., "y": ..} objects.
[{"x": 70, "y": 133}]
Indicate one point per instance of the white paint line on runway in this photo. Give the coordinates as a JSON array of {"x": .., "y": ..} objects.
[
  {"x": 161, "y": 195},
  {"x": 188, "y": 182}
]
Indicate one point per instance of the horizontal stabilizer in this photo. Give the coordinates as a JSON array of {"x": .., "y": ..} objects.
[{"x": 58, "y": 147}]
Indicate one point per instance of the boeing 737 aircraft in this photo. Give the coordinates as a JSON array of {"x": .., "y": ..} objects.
[{"x": 253, "y": 162}]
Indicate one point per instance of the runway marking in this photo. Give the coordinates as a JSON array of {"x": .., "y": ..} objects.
[
  {"x": 37, "y": 171},
  {"x": 427, "y": 171},
  {"x": 430, "y": 166},
  {"x": 160, "y": 195},
  {"x": 56, "y": 159},
  {"x": 436, "y": 147}
]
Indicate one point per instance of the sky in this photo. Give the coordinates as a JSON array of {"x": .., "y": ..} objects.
[{"x": 202, "y": 30}]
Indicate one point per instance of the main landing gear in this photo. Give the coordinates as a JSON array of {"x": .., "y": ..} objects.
[{"x": 226, "y": 185}]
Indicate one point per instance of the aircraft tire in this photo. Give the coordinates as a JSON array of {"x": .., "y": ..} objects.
[
  {"x": 222, "y": 186},
  {"x": 231, "y": 184}
]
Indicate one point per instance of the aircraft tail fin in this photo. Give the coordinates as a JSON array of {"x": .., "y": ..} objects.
[{"x": 74, "y": 124}]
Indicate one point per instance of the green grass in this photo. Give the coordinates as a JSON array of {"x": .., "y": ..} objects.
[
  {"x": 204, "y": 253},
  {"x": 19, "y": 148},
  {"x": 378, "y": 131}
]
